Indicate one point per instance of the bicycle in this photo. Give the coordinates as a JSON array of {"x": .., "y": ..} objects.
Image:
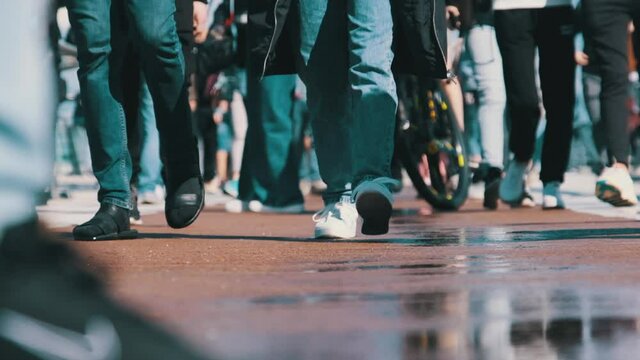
[{"x": 430, "y": 144}]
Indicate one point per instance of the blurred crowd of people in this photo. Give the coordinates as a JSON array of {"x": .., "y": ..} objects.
[
  {"x": 173, "y": 99},
  {"x": 527, "y": 108}
]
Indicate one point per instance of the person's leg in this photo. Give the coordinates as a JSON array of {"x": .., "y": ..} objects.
[
  {"x": 557, "y": 81},
  {"x": 153, "y": 29},
  {"x": 515, "y": 35},
  {"x": 491, "y": 96},
  {"x": 26, "y": 110},
  {"x": 208, "y": 133},
  {"x": 131, "y": 80},
  {"x": 486, "y": 61},
  {"x": 452, "y": 89},
  {"x": 100, "y": 41},
  {"x": 239, "y": 121},
  {"x": 150, "y": 164},
  {"x": 154, "y": 32},
  {"x": 372, "y": 88},
  {"x": 273, "y": 148},
  {"x": 466, "y": 74},
  {"x": 583, "y": 127},
  {"x": 323, "y": 67},
  {"x": 591, "y": 86},
  {"x": 606, "y": 23},
  {"x": 225, "y": 139},
  {"x": 606, "y": 28},
  {"x": 101, "y": 38},
  {"x": 374, "y": 103}
]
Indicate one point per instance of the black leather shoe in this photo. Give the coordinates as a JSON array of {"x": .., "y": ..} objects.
[
  {"x": 109, "y": 223},
  {"x": 184, "y": 204},
  {"x": 492, "y": 188}
]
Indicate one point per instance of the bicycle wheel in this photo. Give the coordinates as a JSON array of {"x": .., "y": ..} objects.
[{"x": 431, "y": 146}]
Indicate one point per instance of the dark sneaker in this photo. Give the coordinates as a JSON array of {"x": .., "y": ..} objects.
[
  {"x": 50, "y": 308},
  {"x": 183, "y": 205},
  {"x": 512, "y": 187},
  {"x": 492, "y": 188},
  {"x": 374, "y": 204},
  {"x": 111, "y": 222}
]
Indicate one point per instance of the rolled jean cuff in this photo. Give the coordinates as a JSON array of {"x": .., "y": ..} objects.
[
  {"x": 331, "y": 197},
  {"x": 118, "y": 202}
]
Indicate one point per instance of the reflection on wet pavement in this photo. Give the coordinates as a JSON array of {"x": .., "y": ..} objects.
[
  {"x": 456, "y": 321},
  {"x": 496, "y": 323},
  {"x": 480, "y": 236}
]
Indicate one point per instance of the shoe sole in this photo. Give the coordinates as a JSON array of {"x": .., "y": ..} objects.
[
  {"x": 124, "y": 235},
  {"x": 550, "y": 208},
  {"x": 375, "y": 210},
  {"x": 328, "y": 235},
  {"x": 192, "y": 219},
  {"x": 611, "y": 195}
]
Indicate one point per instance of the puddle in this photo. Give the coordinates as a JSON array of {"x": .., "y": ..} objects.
[
  {"x": 480, "y": 236},
  {"x": 495, "y": 323}
]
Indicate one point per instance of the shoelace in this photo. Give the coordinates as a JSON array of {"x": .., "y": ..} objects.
[{"x": 333, "y": 209}]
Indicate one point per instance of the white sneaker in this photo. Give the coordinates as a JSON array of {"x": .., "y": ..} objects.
[
  {"x": 551, "y": 197},
  {"x": 212, "y": 186},
  {"x": 236, "y": 206},
  {"x": 512, "y": 186},
  {"x": 258, "y": 207},
  {"x": 337, "y": 221},
  {"x": 615, "y": 187}
]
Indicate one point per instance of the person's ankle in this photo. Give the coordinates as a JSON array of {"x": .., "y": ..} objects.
[{"x": 619, "y": 165}]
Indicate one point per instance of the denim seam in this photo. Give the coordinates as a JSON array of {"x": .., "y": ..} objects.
[{"x": 123, "y": 156}]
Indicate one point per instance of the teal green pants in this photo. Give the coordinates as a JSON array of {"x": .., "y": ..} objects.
[{"x": 273, "y": 144}]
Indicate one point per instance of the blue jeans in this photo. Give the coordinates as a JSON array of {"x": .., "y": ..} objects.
[
  {"x": 273, "y": 146},
  {"x": 26, "y": 109},
  {"x": 345, "y": 63},
  {"x": 482, "y": 67},
  {"x": 150, "y": 164},
  {"x": 101, "y": 37}
]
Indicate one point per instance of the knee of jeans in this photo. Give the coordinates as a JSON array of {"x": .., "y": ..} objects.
[
  {"x": 153, "y": 34},
  {"x": 371, "y": 71},
  {"x": 95, "y": 49}
]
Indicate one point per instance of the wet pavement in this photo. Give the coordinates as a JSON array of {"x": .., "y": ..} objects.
[{"x": 521, "y": 284}]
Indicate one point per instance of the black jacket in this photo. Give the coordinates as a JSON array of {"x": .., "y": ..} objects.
[{"x": 419, "y": 42}]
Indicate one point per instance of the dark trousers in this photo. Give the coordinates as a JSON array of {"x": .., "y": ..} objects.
[
  {"x": 131, "y": 80},
  {"x": 606, "y": 30},
  {"x": 519, "y": 33},
  {"x": 209, "y": 136}
]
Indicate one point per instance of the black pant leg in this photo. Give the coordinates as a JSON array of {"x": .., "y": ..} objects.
[
  {"x": 606, "y": 29},
  {"x": 184, "y": 25},
  {"x": 555, "y": 33},
  {"x": 131, "y": 105},
  {"x": 208, "y": 134},
  {"x": 515, "y": 33}
]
